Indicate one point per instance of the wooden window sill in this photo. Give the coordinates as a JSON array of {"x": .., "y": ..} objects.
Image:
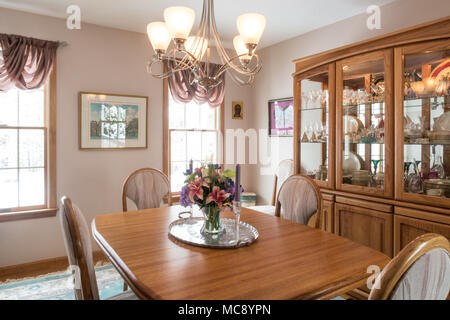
[
  {"x": 175, "y": 196},
  {"x": 27, "y": 215}
]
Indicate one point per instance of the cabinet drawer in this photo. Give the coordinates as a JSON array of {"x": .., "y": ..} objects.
[
  {"x": 365, "y": 226},
  {"x": 406, "y": 229}
]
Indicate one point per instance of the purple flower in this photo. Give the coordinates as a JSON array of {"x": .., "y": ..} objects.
[
  {"x": 231, "y": 188},
  {"x": 184, "y": 197}
]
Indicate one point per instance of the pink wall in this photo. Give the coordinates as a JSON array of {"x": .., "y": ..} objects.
[{"x": 103, "y": 60}]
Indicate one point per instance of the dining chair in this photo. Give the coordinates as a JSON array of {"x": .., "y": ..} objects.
[
  {"x": 146, "y": 188},
  {"x": 284, "y": 170},
  {"x": 301, "y": 201},
  {"x": 421, "y": 271},
  {"x": 77, "y": 240}
]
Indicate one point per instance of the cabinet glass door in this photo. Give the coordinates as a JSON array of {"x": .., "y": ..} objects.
[
  {"x": 364, "y": 110},
  {"x": 317, "y": 125},
  {"x": 424, "y": 97}
]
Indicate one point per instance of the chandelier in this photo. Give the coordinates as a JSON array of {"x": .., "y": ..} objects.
[{"x": 193, "y": 53}]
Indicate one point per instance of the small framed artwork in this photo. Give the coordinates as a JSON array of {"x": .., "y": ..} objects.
[
  {"x": 112, "y": 121},
  {"x": 281, "y": 117},
  {"x": 238, "y": 110}
]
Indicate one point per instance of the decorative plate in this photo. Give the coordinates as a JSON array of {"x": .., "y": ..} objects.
[
  {"x": 188, "y": 232},
  {"x": 351, "y": 163},
  {"x": 352, "y": 124},
  {"x": 442, "y": 70}
]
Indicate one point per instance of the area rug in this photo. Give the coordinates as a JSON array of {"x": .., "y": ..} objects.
[{"x": 59, "y": 286}]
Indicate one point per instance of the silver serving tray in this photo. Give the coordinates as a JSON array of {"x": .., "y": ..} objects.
[{"x": 188, "y": 231}]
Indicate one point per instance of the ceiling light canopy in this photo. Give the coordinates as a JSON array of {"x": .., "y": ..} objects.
[{"x": 192, "y": 52}]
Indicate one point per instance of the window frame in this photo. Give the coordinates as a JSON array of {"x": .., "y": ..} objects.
[
  {"x": 49, "y": 209},
  {"x": 166, "y": 133}
]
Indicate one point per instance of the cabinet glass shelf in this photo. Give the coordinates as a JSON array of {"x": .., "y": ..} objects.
[
  {"x": 364, "y": 143},
  {"x": 427, "y": 98},
  {"x": 315, "y": 142},
  {"x": 364, "y": 104},
  {"x": 427, "y": 144},
  {"x": 314, "y": 109}
]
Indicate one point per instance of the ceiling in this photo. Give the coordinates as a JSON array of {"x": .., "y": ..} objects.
[{"x": 285, "y": 18}]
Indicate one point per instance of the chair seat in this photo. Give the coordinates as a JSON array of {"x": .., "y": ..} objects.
[
  {"x": 264, "y": 209},
  {"x": 127, "y": 295}
]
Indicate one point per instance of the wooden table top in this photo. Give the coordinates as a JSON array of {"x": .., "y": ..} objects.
[{"x": 288, "y": 261}]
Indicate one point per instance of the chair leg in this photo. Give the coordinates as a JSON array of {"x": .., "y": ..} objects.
[{"x": 125, "y": 286}]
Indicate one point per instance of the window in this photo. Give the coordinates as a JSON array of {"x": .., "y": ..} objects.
[
  {"x": 23, "y": 150},
  {"x": 193, "y": 135}
]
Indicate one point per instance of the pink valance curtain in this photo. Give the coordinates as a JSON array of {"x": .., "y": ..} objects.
[
  {"x": 183, "y": 91},
  {"x": 25, "y": 63}
]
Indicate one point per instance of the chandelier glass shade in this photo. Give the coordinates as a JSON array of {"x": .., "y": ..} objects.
[{"x": 193, "y": 52}]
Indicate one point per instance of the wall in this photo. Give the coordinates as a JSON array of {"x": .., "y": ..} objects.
[
  {"x": 275, "y": 79},
  {"x": 102, "y": 60}
]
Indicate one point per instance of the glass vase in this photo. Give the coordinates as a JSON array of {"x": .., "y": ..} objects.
[{"x": 213, "y": 221}]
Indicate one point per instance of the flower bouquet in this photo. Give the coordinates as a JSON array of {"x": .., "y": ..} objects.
[{"x": 213, "y": 191}]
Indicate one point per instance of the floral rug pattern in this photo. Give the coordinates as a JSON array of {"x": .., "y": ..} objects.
[{"x": 59, "y": 286}]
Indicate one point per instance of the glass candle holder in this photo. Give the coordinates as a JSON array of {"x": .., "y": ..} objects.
[{"x": 237, "y": 207}]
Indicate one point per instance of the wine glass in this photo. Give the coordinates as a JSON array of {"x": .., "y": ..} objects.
[
  {"x": 305, "y": 101},
  {"x": 323, "y": 98},
  {"x": 375, "y": 166},
  {"x": 309, "y": 130},
  {"x": 313, "y": 95}
]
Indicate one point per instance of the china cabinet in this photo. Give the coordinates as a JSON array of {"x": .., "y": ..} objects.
[
  {"x": 423, "y": 121},
  {"x": 315, "y": 150},
  {"x": 372, "y": 126},
  {"x": 365, "y": 124}
]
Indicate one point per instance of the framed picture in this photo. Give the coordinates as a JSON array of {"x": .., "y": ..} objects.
[
  {"x": 238, "y": 110},
  {"x": 281, "y": 117},
  {"x": 112, "y": 121}
]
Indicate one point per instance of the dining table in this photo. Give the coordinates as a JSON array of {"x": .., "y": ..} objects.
[{"x": 287, "y": 261}]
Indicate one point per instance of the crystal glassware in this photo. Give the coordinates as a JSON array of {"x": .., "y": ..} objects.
[
  {"x": 237, "y": 207},
  {"x": 438, "y": 167},
  {"x": 375, "y": 166},
  {"x": 305, "y": 101}
]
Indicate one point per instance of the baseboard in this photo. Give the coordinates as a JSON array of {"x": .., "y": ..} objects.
[{"x": 37, "y": 268}]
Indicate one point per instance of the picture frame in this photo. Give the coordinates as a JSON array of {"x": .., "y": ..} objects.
[
  {"x": 238, "y": 110},
  {"x": 112, "y": 121},
  {"x": 281, "y": 117}
]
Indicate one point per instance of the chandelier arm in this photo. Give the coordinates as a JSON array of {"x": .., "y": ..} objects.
[
  {"x": 199, "y": 41},
  {"x": 242, "y": 68},
  {"x": 239, "y": 81},
  {"x": 208, "y": 29},
  {"x": 226, "y": 60},
  {"x": 180, "y": 65},
  {"x": 229, "y": 65},
  {"x": 222, "y": 53},
  {"x": 158, "y": 75},
  {"x": 189, "y": 61}
]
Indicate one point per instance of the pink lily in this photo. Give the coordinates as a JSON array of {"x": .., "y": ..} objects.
[
  {"x": 218, "y": 196},
  {"x": 195, "y": 189}
]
